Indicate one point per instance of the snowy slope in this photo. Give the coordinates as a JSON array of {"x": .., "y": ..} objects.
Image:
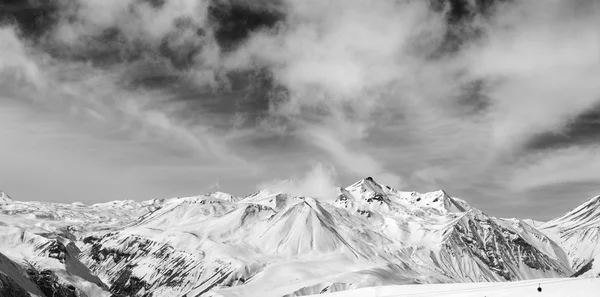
[
  {"x": 578, "y": 232},
  {"x": 72, "y": 219},
  {"x": 13, "y": 280},
  {"x": 550, "y": 288},
  {"x": 270, "y": 241},
  {"x": 533, "y": 223},
  {"x": 45, "y": 264},
  {"x": 4, "y": 199},
  {"x": 38, "y": 244},
  {"x": 455, "y": 238},
  {"x": 370, "y": 235},
  {"x": 218, "y": 243}
]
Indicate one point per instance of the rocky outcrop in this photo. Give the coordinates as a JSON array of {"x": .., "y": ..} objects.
[
  {"x": 50, "y": 285},
  {"x": 8, "y": 287}
]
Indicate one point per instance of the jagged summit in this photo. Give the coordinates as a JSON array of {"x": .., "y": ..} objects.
[
  {"x": 372, "y": 192},
  {"x": 5, "y": 199},
  {"x": 368, "y": 183},
  {"x": 366, "y": 192}
]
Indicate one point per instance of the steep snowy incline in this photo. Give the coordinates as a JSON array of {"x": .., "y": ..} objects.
[
  {"x": 453, "y": 238},
  {"x": 208, "y": 249},
  {"x": 4, "y": 199},
  {"x": 221, "y": 245},
  {"x": 45, "y": 262},
  {"x": 583, "y": 216},
  {"x": 183, "y": 245},
  {"x": 13, "y": 281},
  {"x": 480, "y": 248},
  {"x": 590, "y": 269},
  {"x": 38, "y": 245},
  {"x": 210, "y": 245},
  {"x": 578, "y": 232}
]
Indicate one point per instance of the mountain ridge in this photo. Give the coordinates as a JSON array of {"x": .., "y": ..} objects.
[{"x": 218, "y": 244}]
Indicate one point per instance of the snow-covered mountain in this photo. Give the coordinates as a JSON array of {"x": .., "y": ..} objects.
[
  {"x": 4, "y": 199},
  {"x": 578, "y": 232},
  {"x": 39, "y": 255},
  {"x": 272, "y": 243}
]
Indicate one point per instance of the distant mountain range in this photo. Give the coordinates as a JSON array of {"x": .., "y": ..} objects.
[{"x": 276, "y": 244}]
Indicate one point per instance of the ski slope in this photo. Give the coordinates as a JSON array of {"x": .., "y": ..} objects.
[{"x": 562, "y": 287}]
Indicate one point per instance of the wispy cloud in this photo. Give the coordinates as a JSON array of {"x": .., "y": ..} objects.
[
  {"x": 571, "y": 165},
  {"x": 358, "y": 72},
  {"x": 373, "y": 88},
  {"x": 318, "y": 182},
  {"x": 134, "y": 139},
  {"x": 349, "y": 156},
  {"x": 15, "y": 62}
]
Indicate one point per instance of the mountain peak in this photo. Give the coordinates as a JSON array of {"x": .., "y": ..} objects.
[
  {"x": 223, "y": 196},
  {"x": 585, "y": 214},
  {"x": 578, "y": 231},
  {"x": 442, "y": 192},
  {"x": 594, "y": 202},
  {"x": 5, "y": 199},
  {"x": 367, "y": 183}
]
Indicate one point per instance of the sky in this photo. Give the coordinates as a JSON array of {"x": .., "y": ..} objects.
[{"x": 496, "y": 102}]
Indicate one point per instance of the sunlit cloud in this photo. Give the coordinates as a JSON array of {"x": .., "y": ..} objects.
[
  {"x": 389, "y": 89},
  {"x": 318, "y": 182},
  {"x": 570, "y": 165}
]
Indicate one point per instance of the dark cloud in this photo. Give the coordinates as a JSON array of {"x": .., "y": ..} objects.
[
  {"x": 34, "y": 18},
  {"x": 539, "y": 204},
  {"x": 583, "y": 130},
  {"x": 473, "y": 97},
  {"x": 229, "y": 22},
  {"x": 235, "y": 98},
  {"x": 455, "y": 94},
  {"x": 234, "y": 21},
  {"x": 243, "y": 102},
  {"x": 155, "y": 3},
  {"x": 464, "y": 19}
]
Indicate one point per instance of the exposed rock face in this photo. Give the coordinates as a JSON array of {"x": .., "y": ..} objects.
[
  {"x": 8, "y": 287},
  {"x": 19, "y": 282},
  {"x": 50, "y": 285},
  {"x": 128, "y": 285}
]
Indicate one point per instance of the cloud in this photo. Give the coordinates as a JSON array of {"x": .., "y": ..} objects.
[
  {"x": 544, "y": 59},
  {"x": 97, "y": 95},
  {"x": 416, "y": 96},
  {"x": 15, "y": 61},
  {"x": 346, "y": 152},
  {"x": 144, "y": 20},
  {"x": 356, "y": 68},
  {"x": 569, "y": 165},
  {"x": 339, "y": 51},
  {"x": 319, "y": 182},
  {"x": 100, "y": 131},
  {"x": 341, "y": 63}
]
